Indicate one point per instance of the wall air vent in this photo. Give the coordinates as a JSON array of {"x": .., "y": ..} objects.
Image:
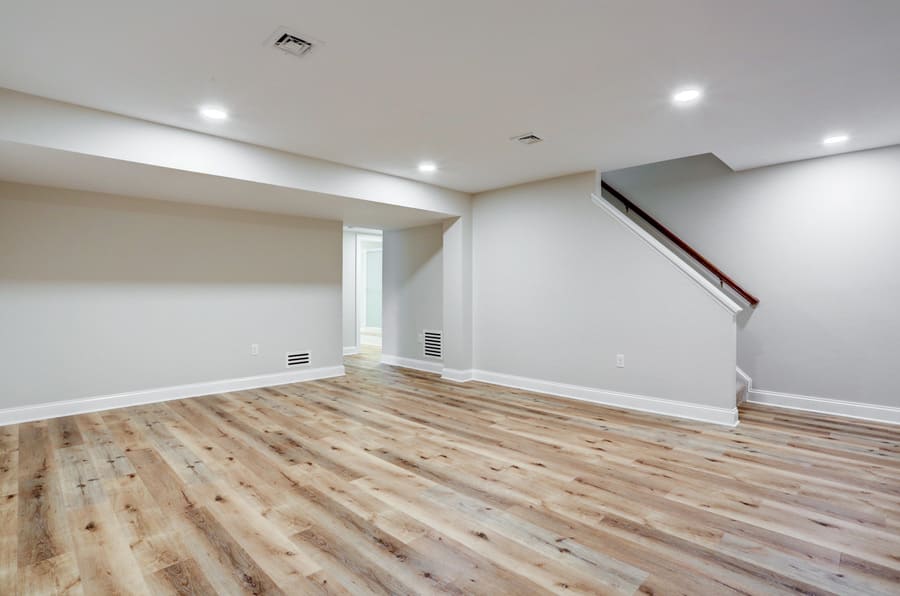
[
  {"x": 433, "y": 345},
  {"x": 290, "y": 43},
  {"x": 297, "y": 359},
  {"x": 529, "y": 138}
]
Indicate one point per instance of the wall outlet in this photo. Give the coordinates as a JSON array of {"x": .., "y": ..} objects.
[
  {"x": 620, "y": 360},
  {"x": 254, "y": 349}
]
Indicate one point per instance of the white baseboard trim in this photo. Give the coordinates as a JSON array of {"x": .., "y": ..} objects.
[
  {"x": 745, "y": 380},
  {"x": 824, "y": 405},
  {"x": 423, "y": 365},
  {"x": 351, "y": 350},
  {"x": 643, "y": 403},
  {"x": 457, "y": 375},
  {"x": 84, "y": 405}
]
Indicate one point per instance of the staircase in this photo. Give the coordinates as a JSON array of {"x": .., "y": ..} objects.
[
  {"x": 699, "y": 263},
  {"x": 705, "y": 265}
]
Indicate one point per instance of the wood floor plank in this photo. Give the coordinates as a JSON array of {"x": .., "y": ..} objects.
[
  {"x": 9, "y": 508},
  {"x": 57, "y": 575},
  {"x": 184, "y": 578},
  {"x": 224, "y": 563},
  {"x": 260, "y": 538},
  {"x": 9, "y": 459},
  {"x": 80, "y": 483},
  {"x": 105, "y": 561},
  {"x": 64, "y": 432},
  {"x": 107, "y": 457},
  {"x": 152, "y": 534},
  {"x": 395, "y": 481},
  {"x": 618, "y": 575},
  {"x": 9, "y": 548},
  {"x": 43, "y": 530}
]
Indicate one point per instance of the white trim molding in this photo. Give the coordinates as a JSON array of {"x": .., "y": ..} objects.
[
  {"x": 718, "y": 295},
  {"x": 653, "y": 405},
  {"x": 458, "y": 376},
  {"x": 745, "y": 380},
  {"x": 84, "y": 405},
  {"x": 824, "y": 405},
  {"x": 423, "y": 365},
  {"x": 642, "y": 403},
  {"x": 351, "y": 350}
]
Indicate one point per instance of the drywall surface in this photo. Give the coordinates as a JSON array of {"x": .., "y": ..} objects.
[
  {"x": 104, "y": 294},
  {"x": 348, "y": 299},
  {"x": 31, "y": 121},
  {"x": 413, "y": 287},
  {"x": 561, "y": 288},
  {"x": 457, "y": 281},
  {"x": 817, "y": 242}
]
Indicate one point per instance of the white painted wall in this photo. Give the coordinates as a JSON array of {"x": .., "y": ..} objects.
[
  {"x": 457, "y": 281},
  {"x": 817, "y": 242},
  {"x": 103, "y": 294},
  {"x": 413, "y": 288},
  {"x": 348, "y": 295},
  {"x": 561, "y": 288}
]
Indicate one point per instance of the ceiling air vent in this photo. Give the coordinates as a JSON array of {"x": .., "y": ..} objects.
[
  {"x": 433, "y": 344},
  {"x": 290, "y": 43},
  {"x": 297, "y": 359},
  {"x": 529, "y": 138}
]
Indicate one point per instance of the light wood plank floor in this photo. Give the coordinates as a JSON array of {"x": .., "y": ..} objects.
[{"x": 393, "y": 481}]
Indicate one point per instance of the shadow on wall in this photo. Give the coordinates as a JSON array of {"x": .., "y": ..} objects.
[
  {"x": 70, "y": 236},
  {"x": 413, "y": 288},
  {"x": 413, "y": 249}
]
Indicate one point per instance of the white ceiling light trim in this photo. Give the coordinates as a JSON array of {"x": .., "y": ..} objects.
[
  {"x": 426, "y": 167},
  {"x": 835, "y": 139},
  {"x": 214, "y": 113},
  {"x": 687, "y": 95}
]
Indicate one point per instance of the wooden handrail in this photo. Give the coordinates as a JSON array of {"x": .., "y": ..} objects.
[{"x": 753, "y": 300}]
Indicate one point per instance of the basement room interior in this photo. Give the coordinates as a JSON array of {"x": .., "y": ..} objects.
[{"x": 476, "y": 297}]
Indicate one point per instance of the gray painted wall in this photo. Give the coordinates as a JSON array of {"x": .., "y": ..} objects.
[
  {"x": 348, "y": 294},
  {"x": 560, "y": 288},
  {"x": 413, "y": 288},
  {"x": 817, "y": 242},
  {"x": 103, "y": 294}
]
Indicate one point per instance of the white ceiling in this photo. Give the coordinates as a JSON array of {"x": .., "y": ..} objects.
[{"x": 398, "y": 81}]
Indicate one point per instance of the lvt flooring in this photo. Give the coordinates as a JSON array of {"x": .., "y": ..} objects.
[{"x": 394, "y": 481}]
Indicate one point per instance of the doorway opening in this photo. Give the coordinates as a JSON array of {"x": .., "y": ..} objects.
[
  {"x": 369, "y": 258},
  {"x": 362, "y": 294}
]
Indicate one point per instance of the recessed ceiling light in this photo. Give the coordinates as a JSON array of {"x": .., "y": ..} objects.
[
  {"x": 687, "y": 95},
  {"x": 214, "y": 113},
  {"x": 427, "y": 166},
  {"x": 834, "y": 139}
]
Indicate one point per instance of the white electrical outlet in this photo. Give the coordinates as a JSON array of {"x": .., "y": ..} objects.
[
  {"x": 254, "y": 349},
  {"x": 620, "y": 360}
]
